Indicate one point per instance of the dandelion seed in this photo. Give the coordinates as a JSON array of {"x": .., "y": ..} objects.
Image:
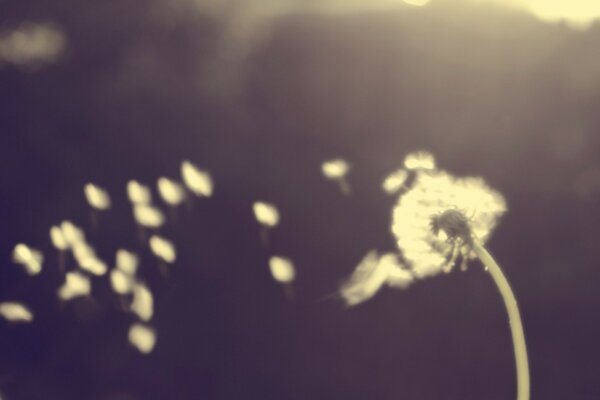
[
  {"x": 420, "y": 160},
  {"x": 395, "y": 181},
  {"x": 266, "y": 214},
  {"x": 138, "y": 193},
  {"x": 97, "y": 197},
  {"x": 32, "y": 44},
  {"x": 170, "y": 191},
  {"x": 76, "y": 285},
  {"x": 372, "y": 273},
  {"x": 143, "y": 303},
  {"x": 29, "y": 258},
  {"x": 15, "y": 312},
  {"x": 148, "y": 216},
  {"x": 163, "y": 249},
  {"x": 197, "y": 181},
  {"x": 93, "y": 265},
  {"x": 58, "y": 238},
  {"x": 282, "y": 269},
  {"x": 121, "y": 282},
  {"x": 72, "y": 234},
  {"x": 337, "y": 170},
  {"x": 142, "y": 337},
  {"x": 127, "y": 262}
]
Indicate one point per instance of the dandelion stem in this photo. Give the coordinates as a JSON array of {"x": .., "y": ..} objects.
[{"x": 514, "y": 319}]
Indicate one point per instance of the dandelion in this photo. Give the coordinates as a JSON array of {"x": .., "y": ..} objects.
[
  {"x": 438, "y": 221},
  {"x": 31, "y": 259},
  {"x": 138, "y": 193},
  {"x": 76, "y": 285},
  {"x": 432, "y": 193},
  {"x": 15, "y": 312},
  {"x": 267, "y": 216},
  {"x": 197, "y": 181},
  {"x": 142, "y": 337},
  {"x": 336, "y": 170}
]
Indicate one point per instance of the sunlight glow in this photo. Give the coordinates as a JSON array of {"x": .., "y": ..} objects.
[{"x": 577, "y": 13}]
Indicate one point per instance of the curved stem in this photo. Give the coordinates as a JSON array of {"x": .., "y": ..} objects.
[{"x": 514, "y": 319}]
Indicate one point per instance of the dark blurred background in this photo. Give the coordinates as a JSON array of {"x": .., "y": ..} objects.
[{"x": 261, "y": 95}]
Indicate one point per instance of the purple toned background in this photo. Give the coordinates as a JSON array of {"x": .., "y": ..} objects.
[{"x": 144, "y": 85}]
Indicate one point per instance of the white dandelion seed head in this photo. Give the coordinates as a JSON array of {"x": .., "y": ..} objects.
[
  {"x": 197, "y": 181},
  {"x": 266, "y": 213},
  {"x": 335, "y": 169},
  {"x": 432, "y": 193}
]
